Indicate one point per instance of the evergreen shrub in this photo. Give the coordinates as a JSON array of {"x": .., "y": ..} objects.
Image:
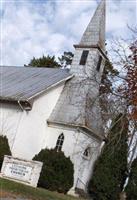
[
  {"x": 4, "y": 148},
  {"x": 57, "y": 171},
  {"x": 110, "y": 170},
  {"x": 131, "y": 189}
]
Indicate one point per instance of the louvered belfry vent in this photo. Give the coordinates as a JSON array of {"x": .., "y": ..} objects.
[
  {"x": 84, "y": 57},
  {"x": 99, "y": 63}
]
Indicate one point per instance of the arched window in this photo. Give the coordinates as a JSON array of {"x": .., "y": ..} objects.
[
  {"x": 87, "y": 153},
  {"x": 60, "y": 142}
]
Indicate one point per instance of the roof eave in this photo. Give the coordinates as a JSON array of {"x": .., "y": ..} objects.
[
  {"x": 50, "y": 87},
  {"x": 27, "y": 103},
  {"x": 74, "y": 126},
  {"x": 24, "y": 104}
]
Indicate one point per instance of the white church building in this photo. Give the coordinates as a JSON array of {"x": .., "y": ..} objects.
[{"x": 47, "y": 108}]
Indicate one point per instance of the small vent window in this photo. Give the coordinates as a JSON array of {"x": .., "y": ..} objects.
[
  {"x": 84, "y": 57},
  {"x": 99, "y": 63},
  {"x": 87, "y": 153},
  {"x": 59, "y": 142}
]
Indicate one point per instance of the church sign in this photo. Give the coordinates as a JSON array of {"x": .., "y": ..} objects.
[{"x": 19, "y": 170}]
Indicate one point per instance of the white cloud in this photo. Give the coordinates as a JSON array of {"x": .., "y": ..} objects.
[
  {"x": 120, "y": 14},
  {"x": 33, "y": 28}
]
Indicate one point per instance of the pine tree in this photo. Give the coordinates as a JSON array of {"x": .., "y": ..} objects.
[
  {"x": 131, "y": 189},
  {"x": 4, "y": 148},
  {"x": 44, "y": 61},
  {"x": 66, "y": 59},
  {"x": 110, "y": 169},
  {"x": 57, "y": 171}
]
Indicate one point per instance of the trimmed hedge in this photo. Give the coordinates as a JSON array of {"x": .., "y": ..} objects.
[
  {"x": 57, "y": 171},
  {"x": 4, "y": 148}
]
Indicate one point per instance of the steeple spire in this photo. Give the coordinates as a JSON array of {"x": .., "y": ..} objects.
[{"x": 95, "y": 32}]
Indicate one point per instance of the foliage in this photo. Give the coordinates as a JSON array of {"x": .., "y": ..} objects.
[
  {"x": 110, "y": 169},
  {"x": 118, "y": 87},
  {"x": 131, "y": 188},
  {"x": 66, "y": 59},
  {"x": 108, "y": 74},
  {"x": 57, "y": 170},
  {"x": 106, "y": 89},
  {"x": 44, "y": 61},
  {"x": 118, "y": 90},
  {"x": 49, "y": 61},
  {"x": 4, "y": 148},
  {"x": 128, "y": 88},
  {"x": 131, "y": 79}
]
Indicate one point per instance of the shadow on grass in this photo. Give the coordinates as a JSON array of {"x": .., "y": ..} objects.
[{"x": 30, "y": 192}]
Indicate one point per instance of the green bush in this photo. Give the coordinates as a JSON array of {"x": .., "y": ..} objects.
[
  {"x": 57, "y": 171},
  {"x": 131, "y": 189},
  {"x": 110, "y": 169},
  {"x": 4, "y": 148}
]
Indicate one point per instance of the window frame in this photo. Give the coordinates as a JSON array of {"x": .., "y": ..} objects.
[
  {"x": 87, "y": 157},
  {"x": 59, "y": 142}
]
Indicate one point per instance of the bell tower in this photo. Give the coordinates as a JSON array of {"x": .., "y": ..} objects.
[
  {"x": 78, "y": 105},
  {"x": 90, "y": 52}
]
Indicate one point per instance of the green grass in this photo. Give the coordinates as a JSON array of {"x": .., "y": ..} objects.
[{"x": 30, "y": 192}]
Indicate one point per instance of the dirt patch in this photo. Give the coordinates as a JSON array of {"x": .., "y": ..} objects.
[{"x": 4, "y": 195}]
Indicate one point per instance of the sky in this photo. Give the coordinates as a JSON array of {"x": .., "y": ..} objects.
[{"x": 32, "y": 28}]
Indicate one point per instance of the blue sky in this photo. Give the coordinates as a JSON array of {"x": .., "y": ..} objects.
[{"x": 33, "y": 28}]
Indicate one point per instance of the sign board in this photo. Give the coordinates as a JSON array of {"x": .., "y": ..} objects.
[
  {"x": 18, "y": 171},
  {"x": 23, "y": 171}
]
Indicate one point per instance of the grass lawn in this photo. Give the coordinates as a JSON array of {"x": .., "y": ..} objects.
[{"x": 30, "y": 192}]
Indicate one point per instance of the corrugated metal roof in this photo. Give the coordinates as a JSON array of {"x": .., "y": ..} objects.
[{"x": 25, "y": 83}]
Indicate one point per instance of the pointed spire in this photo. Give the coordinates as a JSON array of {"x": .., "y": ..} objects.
[{"x": 95, "y": 32}]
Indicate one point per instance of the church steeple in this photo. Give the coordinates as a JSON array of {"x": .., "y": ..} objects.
[
  {"x": 95, "y": 32},
  {"x": 78, "y": 105}
]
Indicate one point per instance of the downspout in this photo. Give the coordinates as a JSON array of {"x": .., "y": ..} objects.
[
  {"x": 23, "y": 109},
  {"x": 25, "y": 105},
  {"x": 20, "y": 105}
]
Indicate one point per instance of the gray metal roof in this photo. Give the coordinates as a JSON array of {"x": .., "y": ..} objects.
[{"x": 25, "y": 83}]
